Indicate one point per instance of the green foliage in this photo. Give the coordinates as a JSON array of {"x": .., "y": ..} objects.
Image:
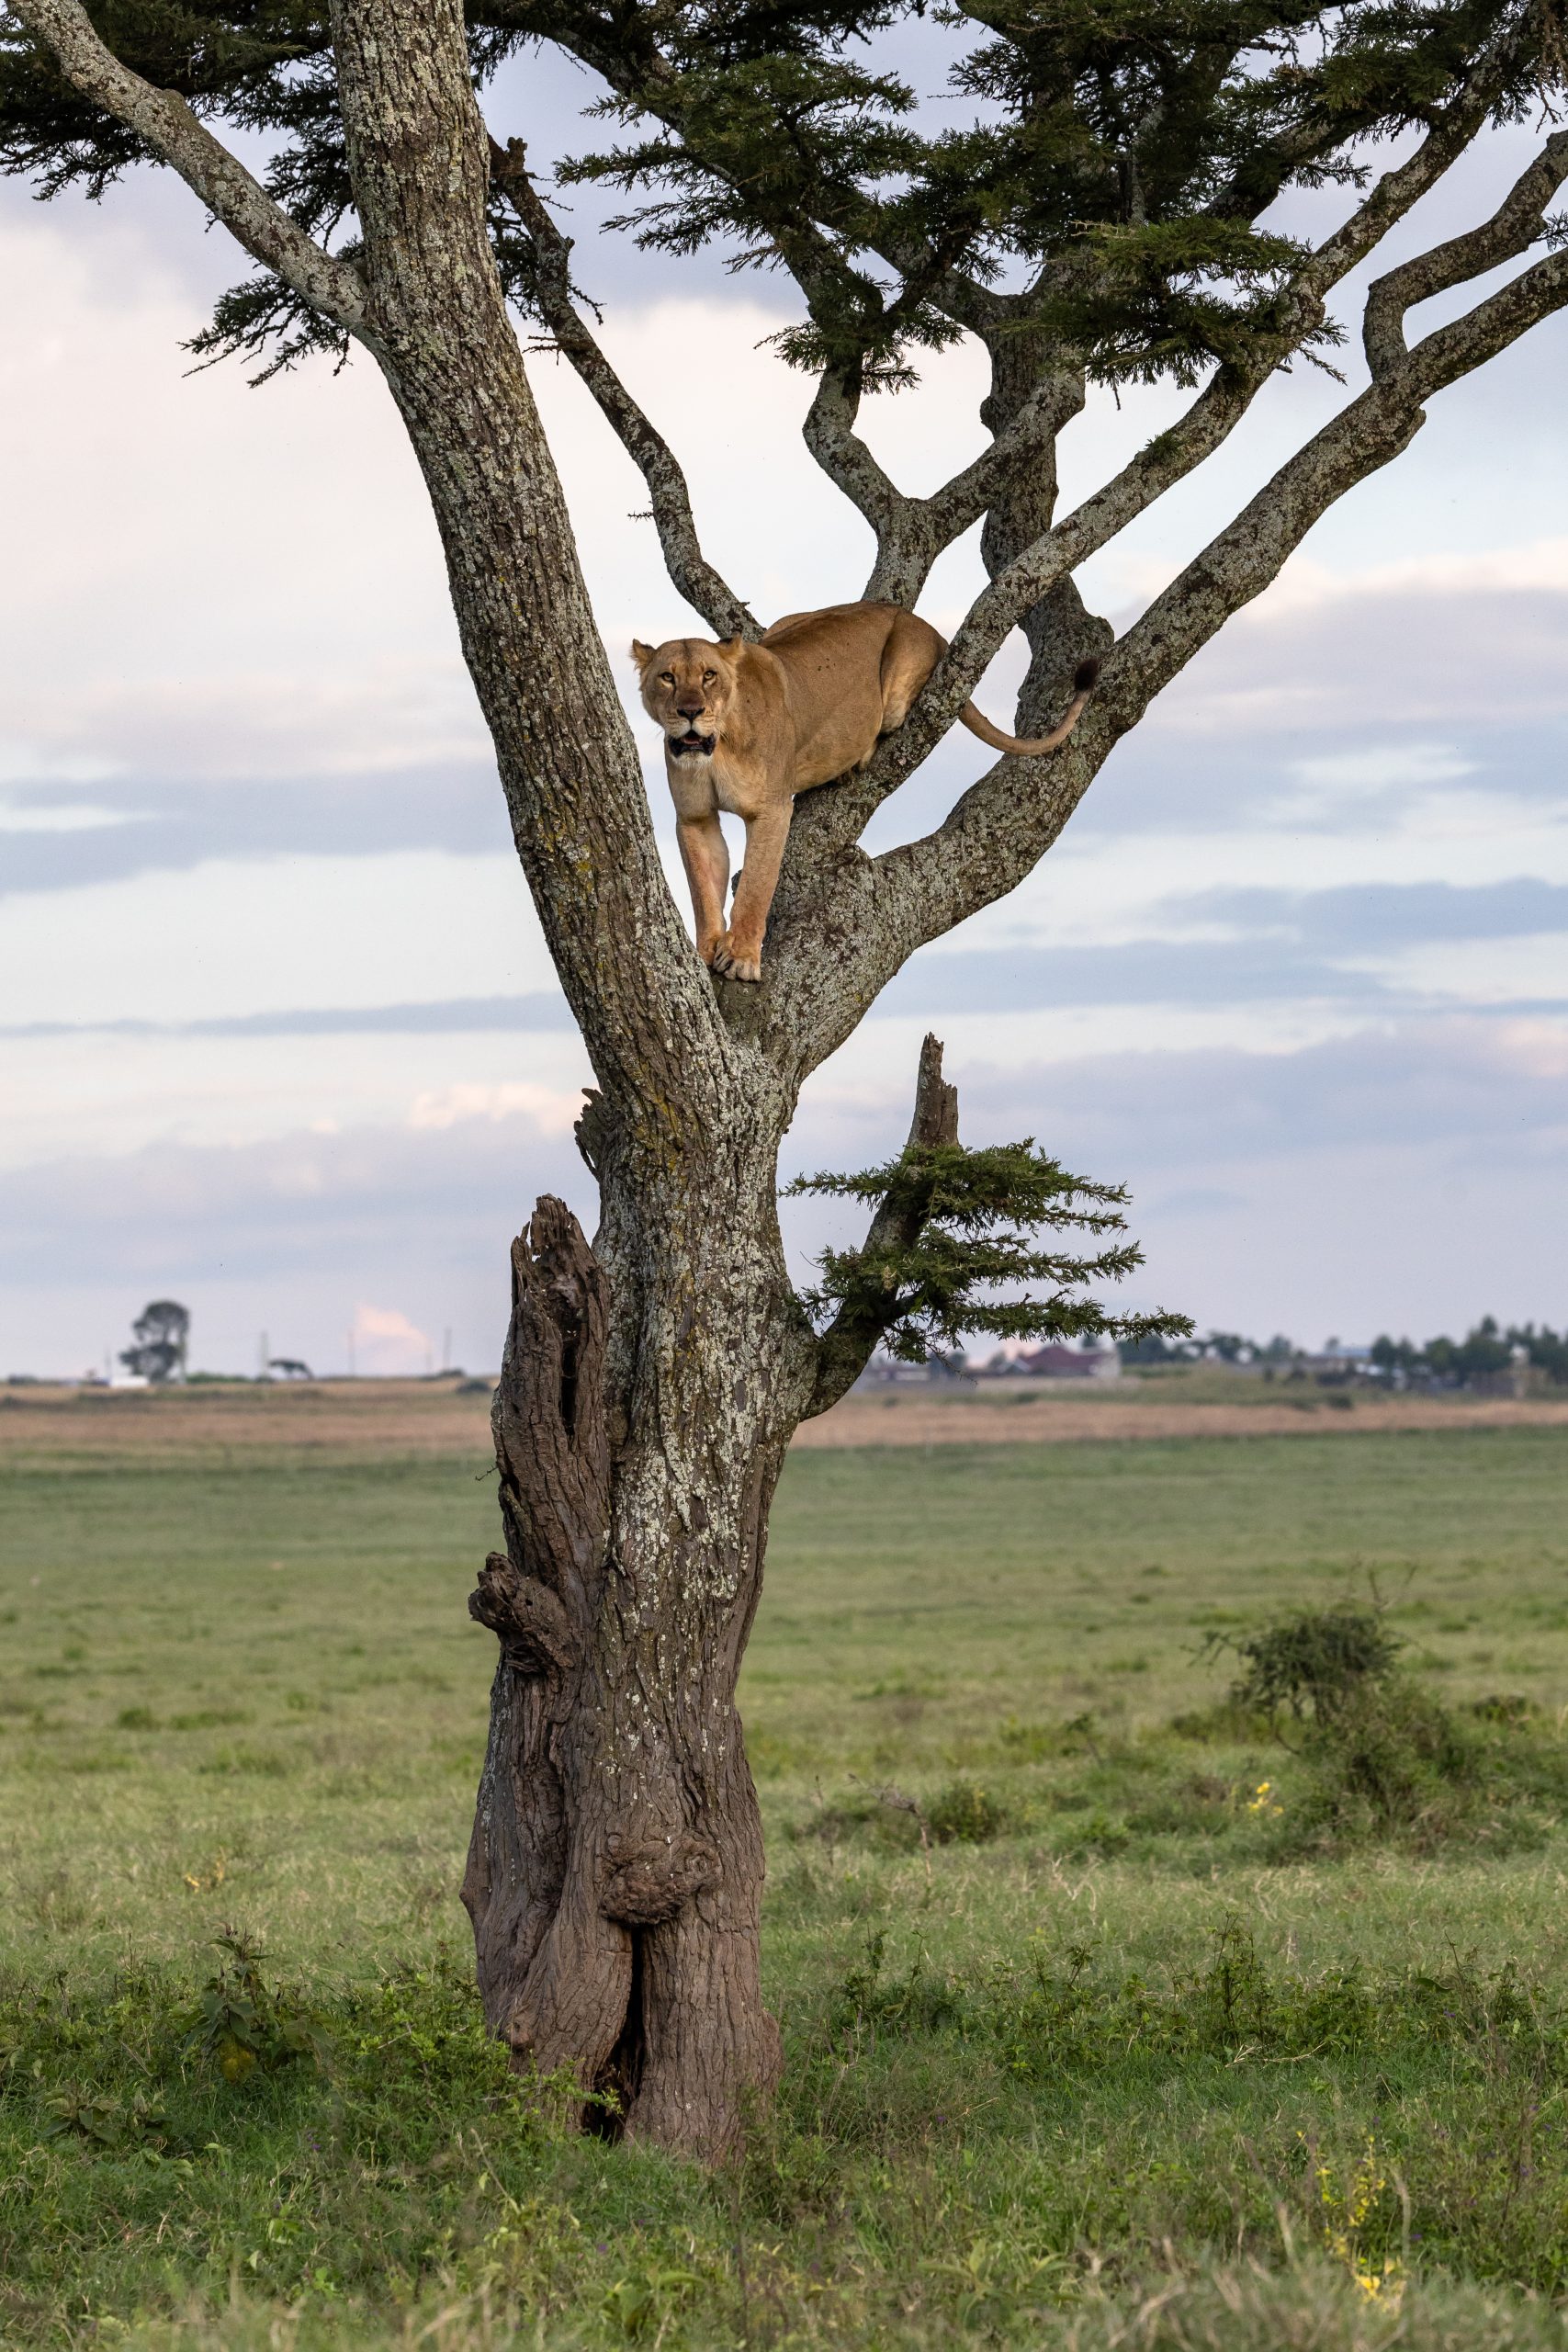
[
  {"x": 963, "y": 1811},
  {"x": 1485, "y": 1350},
  {"x": 243, "y": 2024},
  {"x": 1316, "y": 1662},
  {"x": 953, "y": 1235},
  {"x": 1390, "y": 1760},
  {"x": 1118, "y": 165}
]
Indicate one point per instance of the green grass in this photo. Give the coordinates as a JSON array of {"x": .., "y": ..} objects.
[{"x": 1087, "y": 2043}]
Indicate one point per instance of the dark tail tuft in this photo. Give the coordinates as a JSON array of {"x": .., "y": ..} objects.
[{"x": 1085, "y": 675}]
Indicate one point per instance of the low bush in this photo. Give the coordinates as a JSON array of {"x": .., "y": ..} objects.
[
  {"x": 1315, "y": 1662},
  {"x": 964, "y": 1813}
]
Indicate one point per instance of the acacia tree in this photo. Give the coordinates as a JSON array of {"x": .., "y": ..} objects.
[
  {"x": 1105, "y": 219},
  {"x": 160, "y": 1337}
]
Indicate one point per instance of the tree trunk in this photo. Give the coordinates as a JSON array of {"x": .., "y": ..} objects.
[
  {"x": 614, "y": 1876},
  {"x": 650, "y": 1385}
]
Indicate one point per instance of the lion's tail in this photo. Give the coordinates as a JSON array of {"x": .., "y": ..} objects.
[{"x": 1030, "y": 747}]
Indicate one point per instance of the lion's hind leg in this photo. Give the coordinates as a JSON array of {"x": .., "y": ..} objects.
[{"x": 911, "y": 652}]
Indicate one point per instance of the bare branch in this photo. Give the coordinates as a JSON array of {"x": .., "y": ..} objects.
[
  {"x": 830, "y": 436},
  {"x": 963, "y": 500},
  {"x": 1511, "y": 229},
  {"x": 221, "y": 181},
  {"x": 912, "y": 532},
  {"x": 845, "y": 1348},
  {"x": 693, "y": 577},
  {"x": 1243, "y": 559}
]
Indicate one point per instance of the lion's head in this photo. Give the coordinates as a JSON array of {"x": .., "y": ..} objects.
[{"x": 688, "y": 684}]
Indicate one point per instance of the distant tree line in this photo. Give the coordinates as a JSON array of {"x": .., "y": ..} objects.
[
  {"x": 1487, "y": 1349},
  {"x": 1485, "y": 1352}
]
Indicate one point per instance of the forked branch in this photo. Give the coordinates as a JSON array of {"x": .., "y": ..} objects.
[{"x": 1514, "y": 226}]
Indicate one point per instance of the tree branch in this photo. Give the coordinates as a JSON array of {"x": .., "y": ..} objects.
[
  {"x": 693, "y": 577},
  {"x": 1243, "y": 559},
  {"x": 996, "y": 833},
  {"x": 1511, "y": 229},
  {"x": 845, "y": 1348},
  {"x": 167, "y": 125},
  {"x": 417, "y": 151},
  {"x": 1020, "y": 585},
  {"x": 828, "y": 433},
  {"x": 912, "y": 532}
]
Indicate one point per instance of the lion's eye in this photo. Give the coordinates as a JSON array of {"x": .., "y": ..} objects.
[
  {"x": 667, "y": 677},
  {"x": 708, "y": 677}
]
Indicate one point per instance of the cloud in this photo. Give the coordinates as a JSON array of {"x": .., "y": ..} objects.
[
  {"x": 364, "y": 718},
  {"x": 147, "y": 823},
  {"x": 229, "y": 937},
  {"x": 61, "y": 817},
  {"x": 386, "y": 1342},
  {"x": 343, "y": 1205},
  {"x": 1385, "y": 769},
  {"x": 1466, "y": 642},
  {"x": 453, "y": 1106},
  {"x": 27, "y": 763},
  {"x": 463, "y": 1015},
  {"x": 1459, "y": 1082},
  {"x": 1403, "y": 1177},
  {"x": 77, "y": 1093}
]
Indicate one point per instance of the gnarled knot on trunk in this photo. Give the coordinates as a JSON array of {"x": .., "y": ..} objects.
[
  {"x": 535, "y": 1632},
  {"x": 652, "y": 1877}
]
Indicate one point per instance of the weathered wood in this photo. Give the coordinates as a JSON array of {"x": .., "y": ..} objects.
[{"x": 614, "y": 1871}]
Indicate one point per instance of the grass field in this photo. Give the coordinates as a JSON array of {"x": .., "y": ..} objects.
[{"x": 1099, "y": 2043}]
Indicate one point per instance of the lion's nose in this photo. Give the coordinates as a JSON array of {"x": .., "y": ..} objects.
[{"x": 690, "y": 707}]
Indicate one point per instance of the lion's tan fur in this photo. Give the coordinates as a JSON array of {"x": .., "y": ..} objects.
[{"x": 804, "y": 706}]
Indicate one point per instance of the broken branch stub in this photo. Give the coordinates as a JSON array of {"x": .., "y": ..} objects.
[{"x": 552, "y": 1445}]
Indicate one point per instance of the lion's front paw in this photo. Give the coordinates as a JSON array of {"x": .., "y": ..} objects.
[{"x": 732, "y": 961}]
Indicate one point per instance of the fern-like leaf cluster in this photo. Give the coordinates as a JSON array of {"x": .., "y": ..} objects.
[{"x": 958, "y": 1246}]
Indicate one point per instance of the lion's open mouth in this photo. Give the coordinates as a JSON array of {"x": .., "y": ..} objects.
[{"x": 691, "y": 745}]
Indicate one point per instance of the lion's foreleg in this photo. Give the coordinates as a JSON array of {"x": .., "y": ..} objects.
[
  {"x": 740, "y": 955},
  {"x": 705, "y": 854}
]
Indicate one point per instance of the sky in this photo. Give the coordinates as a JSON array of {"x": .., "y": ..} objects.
[{"x": 279, "y": 1034}]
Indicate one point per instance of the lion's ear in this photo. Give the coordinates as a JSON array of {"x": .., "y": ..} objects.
[
  {"x": 730, "y": 646},
  {"x": 641, "y": 654}
]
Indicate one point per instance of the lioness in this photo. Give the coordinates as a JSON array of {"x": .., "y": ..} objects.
[{"x": 747, "y": 727}]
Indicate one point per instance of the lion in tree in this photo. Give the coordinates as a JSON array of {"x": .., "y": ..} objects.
[{"x": 747, "y": 725}]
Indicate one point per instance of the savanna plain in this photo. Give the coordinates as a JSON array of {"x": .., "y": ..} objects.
[{"x": 1117, "y": 2009}]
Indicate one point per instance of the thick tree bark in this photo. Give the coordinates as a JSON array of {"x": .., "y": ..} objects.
[
  {"x": 651, "y": 1384},
  {"x": 614, "y": 1876}
]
